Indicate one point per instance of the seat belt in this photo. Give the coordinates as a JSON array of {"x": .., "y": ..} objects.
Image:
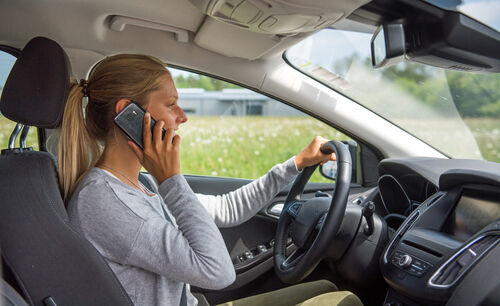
[{"x": 144, "y": 181}]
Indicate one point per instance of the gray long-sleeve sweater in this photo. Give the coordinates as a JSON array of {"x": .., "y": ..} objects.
[{"x": 153, "y": 257}]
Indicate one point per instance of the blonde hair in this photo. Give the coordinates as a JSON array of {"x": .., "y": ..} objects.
[{"x": 124, "y": 76}]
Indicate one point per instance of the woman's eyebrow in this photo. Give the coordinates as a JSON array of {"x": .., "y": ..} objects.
[{"x": 172, "y": 98}]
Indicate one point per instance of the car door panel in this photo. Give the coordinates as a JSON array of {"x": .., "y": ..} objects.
[{"x": 259, "y": 230}]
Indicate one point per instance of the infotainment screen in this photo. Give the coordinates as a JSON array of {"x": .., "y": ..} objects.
[{"x": 473, "y": 212}]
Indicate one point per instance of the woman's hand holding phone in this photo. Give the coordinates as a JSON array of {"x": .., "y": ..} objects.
[{"x": 160, "y": 156}]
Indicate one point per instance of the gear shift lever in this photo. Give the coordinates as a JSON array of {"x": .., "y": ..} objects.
[{"x": 367, "y": 212}]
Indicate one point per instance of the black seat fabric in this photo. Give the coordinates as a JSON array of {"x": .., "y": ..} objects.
[
  {"x": 50, "y": 261},
  {"x": 35, "y": 92}
]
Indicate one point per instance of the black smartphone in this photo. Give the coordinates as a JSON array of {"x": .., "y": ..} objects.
[{"x": 130, "y": 121}]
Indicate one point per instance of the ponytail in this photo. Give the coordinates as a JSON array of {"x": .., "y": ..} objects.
[
  {"x": 123, "y": 76},
  {"x": 78, "y": 151}
]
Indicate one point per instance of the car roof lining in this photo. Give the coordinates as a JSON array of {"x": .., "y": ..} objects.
[{"x": 90, "y": 22}]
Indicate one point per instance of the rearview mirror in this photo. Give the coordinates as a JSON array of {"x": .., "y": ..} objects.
[
  {"x": 388, "y": 45},
  {"x": 442, "y": 38}
]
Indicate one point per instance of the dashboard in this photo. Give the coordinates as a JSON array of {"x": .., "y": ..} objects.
[{"x": 445, "y": 216}]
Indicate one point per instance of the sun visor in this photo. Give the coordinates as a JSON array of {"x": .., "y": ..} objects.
[{"x": 223, "y": 39}]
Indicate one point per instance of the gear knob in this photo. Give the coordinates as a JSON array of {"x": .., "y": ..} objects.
[{"x": 367, "y": 212}]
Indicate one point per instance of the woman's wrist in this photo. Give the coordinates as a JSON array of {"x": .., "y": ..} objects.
[
  {"x": 299, "y": 162},
  {"x": 163, "y": 176}
]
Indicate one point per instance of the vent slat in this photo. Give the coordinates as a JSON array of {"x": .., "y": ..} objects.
[
  {"x": 459, "y": 263},
  {"x": 399, "y": 234}
]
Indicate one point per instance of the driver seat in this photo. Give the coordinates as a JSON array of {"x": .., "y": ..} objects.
[{"x": 47, "y": 260}]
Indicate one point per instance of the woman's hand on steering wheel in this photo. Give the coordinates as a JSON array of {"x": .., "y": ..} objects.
[{"x": 311, "y": 155}]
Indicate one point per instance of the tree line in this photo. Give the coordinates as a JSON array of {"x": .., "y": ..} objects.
[
  {"x": 201, "y": 81},
  {"x": 474, "y": 94}
]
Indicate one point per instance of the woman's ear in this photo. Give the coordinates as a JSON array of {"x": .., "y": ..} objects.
[{"x": 121, "y": 104}]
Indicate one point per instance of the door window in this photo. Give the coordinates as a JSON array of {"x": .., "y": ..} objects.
[{"x": 236, "y": 132}]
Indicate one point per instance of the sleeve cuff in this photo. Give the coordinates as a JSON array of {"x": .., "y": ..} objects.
[
  {"x": 294, "y": 164},
  {"x": 173, "y": 184}
]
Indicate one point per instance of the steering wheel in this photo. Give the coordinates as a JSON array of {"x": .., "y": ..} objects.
[{"x": 312, "y": 224}]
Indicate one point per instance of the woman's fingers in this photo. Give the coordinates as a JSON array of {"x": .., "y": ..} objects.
[
  {"x": 176, "y": 141},
  {"x": 146, "y": 131},
  {"x": 169, "y": 134},
  {"x": 322, "y": 158},
  {"x": 157, "y": 133}
]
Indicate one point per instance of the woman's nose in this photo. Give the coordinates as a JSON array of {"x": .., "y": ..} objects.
[{"x": 181, "y": 116}]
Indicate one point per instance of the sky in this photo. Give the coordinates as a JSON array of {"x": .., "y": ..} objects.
[
  {"x": 6, "y": 63},
  {"x": 326, "y": 46}
]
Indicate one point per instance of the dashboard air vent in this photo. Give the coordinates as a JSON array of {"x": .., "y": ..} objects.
[
  {"x": 399, "y": 234},
  {"x": 434, "y": 199},
  {"x": 459, "y": 263}
]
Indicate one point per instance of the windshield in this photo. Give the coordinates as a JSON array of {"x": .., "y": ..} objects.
[
  {"x": 484, "y": 11},
  {"x": 455, "y": 112}
]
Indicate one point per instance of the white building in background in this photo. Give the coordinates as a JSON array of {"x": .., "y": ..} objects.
[{"x": 231, "y": 102}]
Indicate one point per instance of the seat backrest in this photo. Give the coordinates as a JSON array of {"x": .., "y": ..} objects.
[{"x": 51, "y": 262}]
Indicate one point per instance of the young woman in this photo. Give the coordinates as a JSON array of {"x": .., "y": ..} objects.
[{"x": 157, "y": 238}]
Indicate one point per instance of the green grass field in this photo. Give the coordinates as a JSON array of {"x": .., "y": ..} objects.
[
  {"x": 247, "y": 147},
  {"x": 6, "y": 128}
]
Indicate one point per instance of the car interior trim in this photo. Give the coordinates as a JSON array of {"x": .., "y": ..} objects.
[
  {"x": 400, "y": 232},
  {"x": 118, "y": 23},
  {"x": 433, "y": 278}
]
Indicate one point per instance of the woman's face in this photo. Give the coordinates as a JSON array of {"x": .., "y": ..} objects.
[{"x": 162, "y": 105}]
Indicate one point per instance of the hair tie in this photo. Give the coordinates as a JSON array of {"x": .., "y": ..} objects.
[{"x": 85, "y": 90}]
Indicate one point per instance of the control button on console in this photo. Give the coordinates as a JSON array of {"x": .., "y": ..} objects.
[
  {"x": 412, "y": 265},
  {"x": 405, "y": 261},
  {"x": 416, "y": 270},
  {"x": 413, "y": 270},
  {"x": 261, "y": 248},
  {"x": 248, "y": 255}
]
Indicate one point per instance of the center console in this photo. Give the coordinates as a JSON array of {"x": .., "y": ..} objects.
[{"x": 439, "y": 243}]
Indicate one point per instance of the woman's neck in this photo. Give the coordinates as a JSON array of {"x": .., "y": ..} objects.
[{"x": 120, "y": 159}]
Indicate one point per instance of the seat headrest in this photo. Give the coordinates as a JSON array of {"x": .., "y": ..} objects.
[{"x": 38, "y": 85}]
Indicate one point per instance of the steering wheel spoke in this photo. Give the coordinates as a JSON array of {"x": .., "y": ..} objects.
[
  {"x": 293, "y": 259},
  {"x": 321, "y": 221}
]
